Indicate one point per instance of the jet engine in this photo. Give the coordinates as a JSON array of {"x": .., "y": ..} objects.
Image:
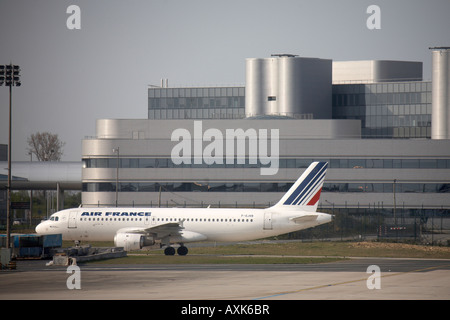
[{"x": 132, "y": 241}]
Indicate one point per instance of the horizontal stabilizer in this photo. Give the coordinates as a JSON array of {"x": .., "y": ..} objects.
[{"x": 305, "y": 218}]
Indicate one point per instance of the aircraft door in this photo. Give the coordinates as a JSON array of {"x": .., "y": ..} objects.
[
  {"x": 72, "y": 219},
  {"x": 267, "y": 220}
]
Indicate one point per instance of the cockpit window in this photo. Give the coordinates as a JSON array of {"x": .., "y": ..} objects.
[{"x": 54, "y": 218}]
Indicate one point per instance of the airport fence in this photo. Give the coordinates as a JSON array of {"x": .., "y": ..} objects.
[{"x": 429, "y": 226}]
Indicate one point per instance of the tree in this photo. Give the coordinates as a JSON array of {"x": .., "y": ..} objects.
[{"x": 46, "y": 146}]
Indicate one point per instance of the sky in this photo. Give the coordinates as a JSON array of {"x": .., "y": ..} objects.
[{"x": 71, "y": 77}]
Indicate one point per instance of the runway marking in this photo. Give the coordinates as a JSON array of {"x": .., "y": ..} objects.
[{"x": 346, "y": 282}]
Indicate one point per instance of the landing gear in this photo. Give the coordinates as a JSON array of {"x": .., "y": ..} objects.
[
  {"x": 182, "y": 251},
  {"x": 170, "y": 251}
]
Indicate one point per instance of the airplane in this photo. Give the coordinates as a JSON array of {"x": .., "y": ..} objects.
[{"x": 135, "y": 228}]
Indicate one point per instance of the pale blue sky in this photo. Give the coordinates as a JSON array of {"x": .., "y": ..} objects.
[{"x": 70, "y": 78}]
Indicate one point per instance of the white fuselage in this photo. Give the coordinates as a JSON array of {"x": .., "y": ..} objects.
[{"x": 102, "y": 224}]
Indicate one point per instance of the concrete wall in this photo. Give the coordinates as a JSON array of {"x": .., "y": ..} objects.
[
  {"x": 327, "y": 140},
  {"x": 372, "y": 71}
]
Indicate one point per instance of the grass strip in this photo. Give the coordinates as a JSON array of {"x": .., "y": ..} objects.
[{"x": 285, "y": 252}]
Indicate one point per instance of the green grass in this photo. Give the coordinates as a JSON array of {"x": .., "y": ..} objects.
[
  {"x": 284, "y": 253},
  {"x": 326, "y": 249}
]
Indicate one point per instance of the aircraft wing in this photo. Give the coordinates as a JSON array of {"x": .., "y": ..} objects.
[
  {"x": 304, "y": 218},
  {"x": 160, "y": 231}
]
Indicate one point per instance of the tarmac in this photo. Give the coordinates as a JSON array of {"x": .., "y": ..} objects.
[{"x": 352, "y": 279}]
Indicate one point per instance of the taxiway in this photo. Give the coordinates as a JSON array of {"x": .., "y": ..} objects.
[{"x": 400, "y": 279}]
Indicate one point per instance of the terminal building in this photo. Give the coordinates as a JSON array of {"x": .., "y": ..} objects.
[{"x": 382, "y": 128}]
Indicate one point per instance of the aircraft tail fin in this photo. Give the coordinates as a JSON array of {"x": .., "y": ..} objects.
[{"x": 305, "y": 192}]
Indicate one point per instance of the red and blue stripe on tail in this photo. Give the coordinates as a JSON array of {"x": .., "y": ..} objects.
[{"x": 305, "y": 192}]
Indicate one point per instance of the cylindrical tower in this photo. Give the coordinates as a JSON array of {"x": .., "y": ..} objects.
[
  {"x": 261, "y": 81},
  {"x": 440, "y": 117},
  {"x": 290, "y": 94},
  {"x": 287, "y": 85}
]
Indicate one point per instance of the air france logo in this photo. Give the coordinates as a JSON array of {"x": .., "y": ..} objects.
[
  {"x": 227, "y": 148},
  {"x": 116, "y": 214}
]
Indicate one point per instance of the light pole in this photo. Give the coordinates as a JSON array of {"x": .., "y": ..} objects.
[{"x": 9, "y": 76}]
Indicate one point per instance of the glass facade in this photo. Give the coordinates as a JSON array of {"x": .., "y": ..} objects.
[
  {"x": 386, "y": 110},
  {"x": 263, "y": 187},
  {"x": 196, "y": 103},
  {"x": 344, "y": 163},
  {"x": 218, "y": 186}
]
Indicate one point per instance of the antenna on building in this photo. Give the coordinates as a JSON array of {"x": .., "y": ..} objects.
[
  {"x": 164, "y": 83},
  {"x": 285, "y": 55}
]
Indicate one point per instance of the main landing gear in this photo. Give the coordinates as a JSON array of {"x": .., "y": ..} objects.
[{"x": 170, "y": 251}]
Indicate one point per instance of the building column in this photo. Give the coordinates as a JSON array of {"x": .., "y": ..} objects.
[{"x": 59, "y": 197}]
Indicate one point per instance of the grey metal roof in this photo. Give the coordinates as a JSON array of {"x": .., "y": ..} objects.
[{"x": 42, "y": 175}]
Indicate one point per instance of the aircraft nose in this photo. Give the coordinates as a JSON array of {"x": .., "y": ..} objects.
[{"x": 39, "y": 228}]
